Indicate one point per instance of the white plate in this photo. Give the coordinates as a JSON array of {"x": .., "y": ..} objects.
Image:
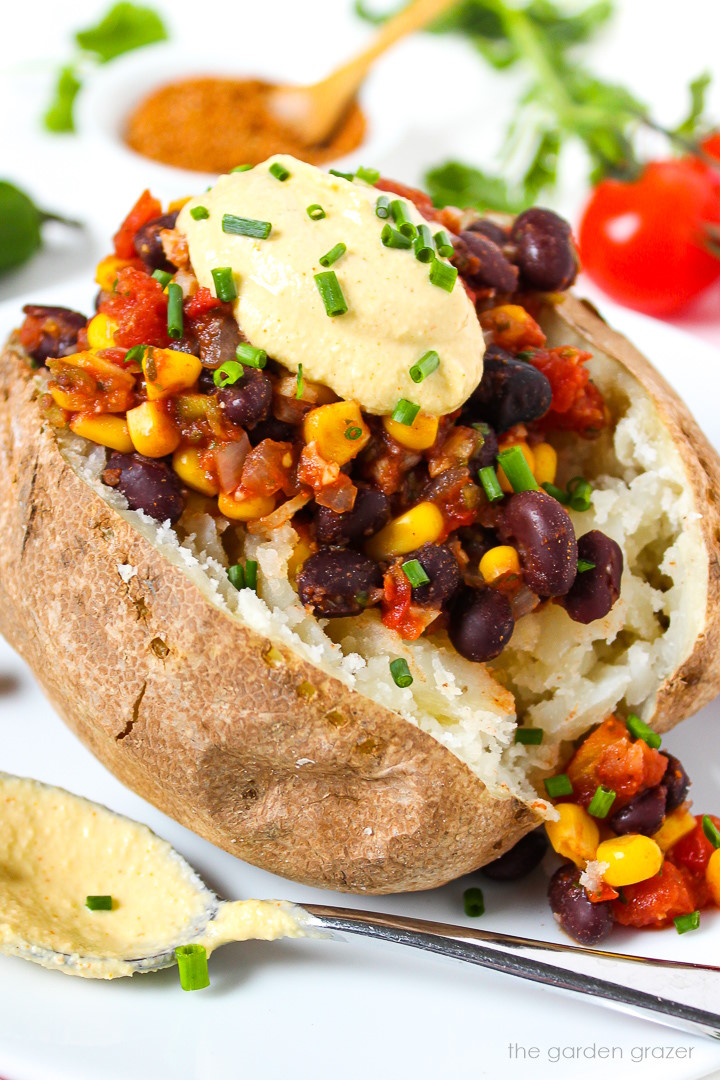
[{"x": 356, "y": 1009}]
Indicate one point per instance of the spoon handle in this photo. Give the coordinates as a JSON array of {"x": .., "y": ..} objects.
[{"x": 699, "y": 984}]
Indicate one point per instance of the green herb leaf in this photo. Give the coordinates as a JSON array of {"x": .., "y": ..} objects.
[
  {"x": 694, "y": 123},
  {"x": 59, "y": 114},
  {"x": 125, "y": 27},
  {"x": 456, "y": 184}
]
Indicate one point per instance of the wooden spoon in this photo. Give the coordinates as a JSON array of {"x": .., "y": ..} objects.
[{"x": 314, "y": 112}]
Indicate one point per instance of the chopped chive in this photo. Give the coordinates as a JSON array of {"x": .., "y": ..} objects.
[
  {"x": 98, "y": 903},
  {"x": 228, "y": 373},
  {"x": 640, "y": 730},
  {"x": 423, "y": 245},
  {"x": 393, "y": 239},
  {"x": 601, "y": 801},
  {"x": 331, "y": 293},
  {"x": 332, "y": 255},
  {"x": 584, "y": 566},
  {"x": 579, "y": 492},
  {"x": 370, "y": 176},
  {"x": 163, "y": 277},
  {"x": 529, "y": 736},
  {"x": 557, "y": 493},
  {"x": 236, "y": 576},
  {"x": 240, "y": 226},
  {"x": 683, "y": 923},
  {"x": 443, "y": 275},
  {"x": 443, "y": 244},
  {"x": 382, "y": 207},
  {"x": 401, "y": 672},
  {"x": 343, "y": 175},
  {"x": 279, "y": 171},
  {"x": 135, "y": 355},
  {"x": 482, "y": 427},
  {"x": 558, "y": 785},
  {"x": 199, "y": 213},
  {"x": 711, "y": 831},
  {"x": 224, "y": 283},
  {"x": 405, "y": 412},
  {"x": 353, "y": 432},
  {"x": 415, "y": 573},
  {"x": 242, "y": 168},
  {"x": 251, "y": 572},
  {"x": 315, "y": 211},
  {"x": 474, "y": 903},
  {"x": 513, "y": 464},
  {"x": 490, "y": 483},
  {"x": 398, "y": 209},
  {"x": 192, "y": 966},
  {"x": 300, "y": 383},
  {"x": 174, "y": 311},
  {"x": 250, "y": 356},
  {"x": 425, "y": 366}
]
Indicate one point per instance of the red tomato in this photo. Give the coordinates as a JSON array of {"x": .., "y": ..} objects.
[
  {"x": 643, "y": 242},
  {"x": 577, "y": 404},
  {"x": 144, "y": 210},
  {"x": 140, "y": 307},
  {"x": 693, "y": 851},
  {"x": 200, "y": 303},
  {"x": 653, "y": 902}
]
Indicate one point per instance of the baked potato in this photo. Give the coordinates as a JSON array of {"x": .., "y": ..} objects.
[{"x": 281, "y": 737}]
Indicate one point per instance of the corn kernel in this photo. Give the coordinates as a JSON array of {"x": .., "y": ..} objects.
[
  {"x": 422, "y": 524},
  {"x": 301, "y": 553},
  {"x": 674, "y": 827},
  {"x": 631, "y": 859},
  {"x": 152, "y": 431},
  {"x": 529, "y": 457},
  {"x": 420, "y": 435},
  {"x": 574, "y": 835},
  {"x": 545, "y": 463},
  {"x": 105, "y": 429},
  {"x": 177, "y": 204},
  {"x": 107, "y": 270},
  {"x": 498, "y": 562},
  {"x": 712, "y": 875},
  {"x": 100, "y": 332},
  {"x": 186, "y": 463},
  {"x": 167, "y": 371},
  {"x": 250, "y": 509},
  {"x": 338, "y": 429}
]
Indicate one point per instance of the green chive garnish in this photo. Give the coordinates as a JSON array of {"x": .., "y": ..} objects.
[
  {"x": 711, "y": 831},
  {"x": 584, "y": 566},
  {"x": 300, "y": 382},
  {"x": 332, "y": 255},
  {"x": 370, "y": 176},
  {"x": 250, "y": 356},
  {"x": 242, "y": 168},
  {"x": 601, "y": 801},
  {"x": 331, "y": 293},
  {"x": 579, "y": 492},
  {"x": 199, "y": 213},
  {"x": 405, "y": 412},
  {"x": 490, "y": 483},
  {"x": 236, "y": 576},
  {"x": 174, "y": 311},
  {"x": 135, "y": 355},
  {"x": 343, "y": 175},
  {"x": 163, "y": 277},
  {"x": 393, "y": 239},
  {"x": 516, "y": 469},
  {"x": 640, "y": 730},
  {"x": 353, "y": 432},
  {"x": 240, "y": 226},
  {"x": 683, "y": 923},
  {"x": 415, "y": 573},
  {"x": 443, "y": 275},
  {"x": 401, "y": 672},
  {"x": 423, "y": 245},
  {"x": 474, "y": 903},
  {"x": 98, "y": 903},
  {"x": 279, "y": 171},
  {"x": 558, "y": 785},
  {"x": 382, "y": 207},
  {"x": 315, "y": 212},
  {"x": 425, "y": 366},
  {"x": 251, "y": 572},
  {"x": 192, "y": 966},
  {"x": 228, "y": 373},
  {"x": 557, "y": 493},
  {"x": 443, "y": 245},
  {"x": 224, "y": 283},
  {"x": 398, "y": 210},
  {"x": 529, "y": 736}
]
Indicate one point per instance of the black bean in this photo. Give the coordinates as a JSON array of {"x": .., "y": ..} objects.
[
  {"x": 483, "y": 264},
  {"x": 336, "y": 582},
  {"x": 545, "y": 251},
  {"x": 491, "y": 229},
  {"x": 58, "y": 330},
  {"x": 148, "y": 243},
  {"x": 541, "y": 530},
  {"x": 481, "y": 624},
  {"x": 249, "y": 399},
  {"x": 486, "y": 453},
  {"x": 476, "y": 541},
  {"x": 510, "y": 392},
  {"x": 273, "y": 429},
  {"x": 677, "y": 782},
  {"x": 644, "y": 814},
  {"x": 578, "y": 916},
  {"x": 147, "y": 485},
  {"x": 218, "y": 337},
  {"x": 442, "y": 568},
  {"x": 370, "y": 512},
  {"x": 206, "y": 382},
  {"x": 520, "y": 860},
  {"x": 594, "y": 591}
]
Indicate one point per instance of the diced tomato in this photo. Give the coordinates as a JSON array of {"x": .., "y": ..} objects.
[
  {"x": 577, "y": 404},
  {"x": 605, "y": 892},
  {"x": 144, "y": 210},
  {"x": 139, "y": 307},
  {"x": 397, "y": 607},
  {"x": 693, "y": 850},
  {"x": 512, "y": 328},
  {"x": 608, "y": 756},
  {"x": 332, "y": 488},
  {"x": 655, "y": 901},
  {"x": 202, "y": 301}
]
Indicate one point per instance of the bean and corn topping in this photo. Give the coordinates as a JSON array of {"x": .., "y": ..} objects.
[{"x": 453, "y": 523}]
